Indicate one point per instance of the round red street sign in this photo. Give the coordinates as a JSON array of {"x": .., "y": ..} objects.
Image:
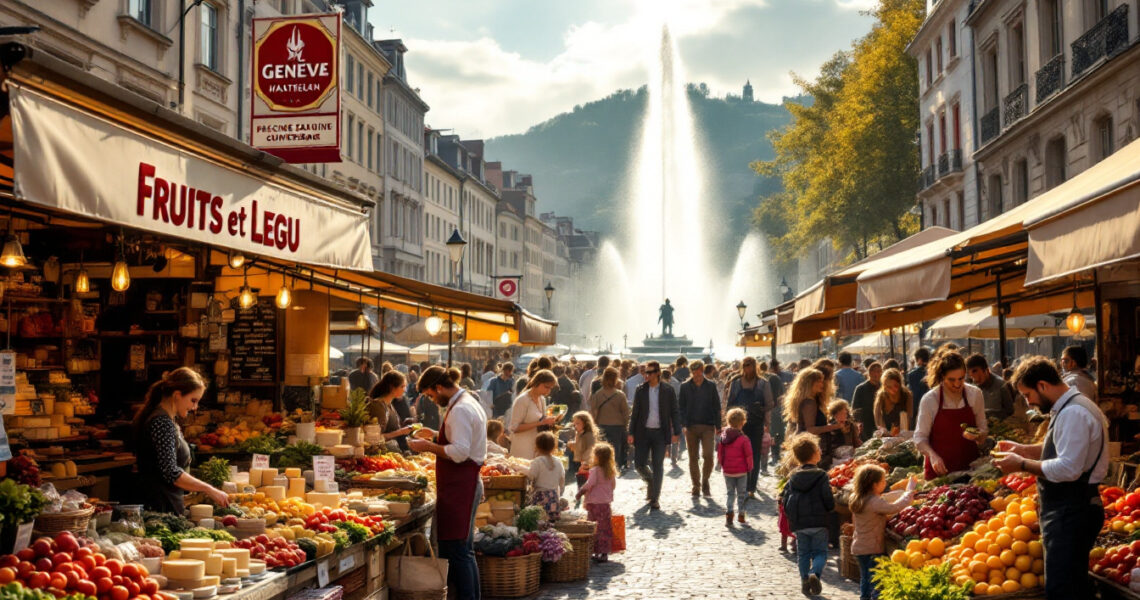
[
  {"x": 507, "y": 287},
  {"x": 296, "y": 65}
]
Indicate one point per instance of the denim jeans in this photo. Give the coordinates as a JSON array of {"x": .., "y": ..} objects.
[
  {"x": 867, "y": 589},
  {"x": 651, "y": 446},
  {"x": 738, "y": 490},
  {"x": 811, "y": 549}
]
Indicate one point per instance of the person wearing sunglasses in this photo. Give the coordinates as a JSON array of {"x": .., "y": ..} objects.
[{"x": 654, "y": 424}]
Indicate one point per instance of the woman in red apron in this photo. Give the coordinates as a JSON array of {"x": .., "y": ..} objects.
[
  {"x": 460, "y": 449},
  {"x": 944, "y": 414}
]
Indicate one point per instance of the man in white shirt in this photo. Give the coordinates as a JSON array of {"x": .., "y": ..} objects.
[
  {"x": 584, "y": 383},
  {"x": 1069, "y": 465},
  {"x": 631, "y": 384},
  {"x": 460, "y": 450},
  {"x": 1075, "y": 366},
  {"x": 654, "y": 423}
]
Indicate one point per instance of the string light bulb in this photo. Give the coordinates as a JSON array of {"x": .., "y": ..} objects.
[
  {"x": 361, "y": 320},
  {"x": 434, "y": 324},
  {"x": 13, "y": 254},
  {"x": 959, "y": 305},
  {"x": 120, "y": 276},
  {"x": 284, "y": 295},
  {"x": 82, "y": 282},
  {"x": 246, "y": 297},
  {"x": 1075, "y": 321},
  {"x": 236, "y": 260},
  {"x": 505, "y": 337}
]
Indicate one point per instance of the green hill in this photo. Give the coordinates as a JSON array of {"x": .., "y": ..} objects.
[{"x": 580, "y": 159}]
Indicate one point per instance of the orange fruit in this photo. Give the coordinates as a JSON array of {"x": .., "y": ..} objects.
[
  {"x": 981, "y": 588},
  {"x": 981, "y": 545},
  {"x": 1024, "y": 563},
  {"x": 970, "y": 539},
  {"x": 1007, "y": 557},
  {"x": 1036, "y": 550},
  {"x": 977, "y": 566},
  {"x": 994, "y": 562},
  {"x": 1012, "y": 574},
  {"x": 993, "y": 549},
  {"x": 1019, "y": 547},
  {"x": 1029, "y": 517},
  {"x": 1028, "y": 580},
  {"x": 915, "y": 560},
  {"x": 913, "y": 546},
  {"x": 1010, "y": 587},
  {"x": 1013, "y": 519},
  {"x": 936, "y": 547},
  {"x": 1039, "y": 567},
  {"x": 1004, "y": 540},
  {"x": 1023, "y": 533},
  {"x": 965, "y": 553},
  {"x": 899, "y": 557},
  {"x": 981, "y": 528}
]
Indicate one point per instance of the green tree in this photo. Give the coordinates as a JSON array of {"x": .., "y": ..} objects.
[{"x": 847, "y": 162}]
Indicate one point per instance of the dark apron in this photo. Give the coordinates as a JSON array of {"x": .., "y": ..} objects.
[
  {"x": 946, "y": 437},
  {"x": 157, "y": 495},
  {"x": 457, "y": 485},
  {"x": 1072, "y": 515}
]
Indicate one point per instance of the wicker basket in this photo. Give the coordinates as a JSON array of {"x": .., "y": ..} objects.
[
  {"x": 505, "y": 482},
  {"x": 569, "y": 527},
  {"x": 512, "y": 577},
  {"x": 424, "y": 595},
  {"x": 75, "y": 521},
  {"x": 575, "y": 564},
  {"x": 848, "y": 565}
]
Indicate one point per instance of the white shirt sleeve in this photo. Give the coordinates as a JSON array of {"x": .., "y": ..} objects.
[
  {"x": 1073, "y": 437},
  {"x": 518, "y": 412},
  {"x": 466, "y": 434},
  {"x": 927, "y": 408},
  {"x": 977, "y": 401}
]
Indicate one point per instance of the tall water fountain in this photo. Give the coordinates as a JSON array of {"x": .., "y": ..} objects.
[{"x": 664, "y": 246}]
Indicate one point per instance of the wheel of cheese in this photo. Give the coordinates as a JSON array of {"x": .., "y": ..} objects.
[
  {"x": 330, "y": 499},
  {"x": 292, "y": 472},
  {"x": 196, "y": 543},
  {"x": 201, "y": 511},
  {"x": 229, "y": 566},
  {"x": 197, "y": 553},
  {"x": 241, "y": 555},
  {"x": 214, "y": 564},
  {"x": 185, "y": 569}
]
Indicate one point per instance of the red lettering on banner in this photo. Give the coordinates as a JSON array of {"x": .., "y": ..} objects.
[
  {"x": 145, "y": 171},
  {"x": 176, "y": 204}
]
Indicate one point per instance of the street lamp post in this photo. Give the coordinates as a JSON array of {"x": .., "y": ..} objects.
[
  {"x": 455, "y": 247},
  {"x": 549, "y": 289},
  {"x": 741, "y": 308},
  {"x": 785, "y": 291}
]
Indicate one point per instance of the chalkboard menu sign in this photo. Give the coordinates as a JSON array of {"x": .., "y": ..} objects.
[{"x": 253, "y": 343}]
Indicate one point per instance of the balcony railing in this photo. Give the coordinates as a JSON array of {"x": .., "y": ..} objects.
[
  {"x": 949, "y": 162},
  {"x": 1015, "y": 105},
  {"x": 926, "y": 178},
  {"x": 1105, "y": 39},
  {"x": 1051, "y": 77},
  {"x": 990, "y": 124}
]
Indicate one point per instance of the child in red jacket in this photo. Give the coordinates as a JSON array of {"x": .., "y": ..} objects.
[{"x": 734, "y": 455}]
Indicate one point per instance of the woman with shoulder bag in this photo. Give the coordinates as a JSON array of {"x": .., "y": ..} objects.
[{"x": 610, "y": 410}]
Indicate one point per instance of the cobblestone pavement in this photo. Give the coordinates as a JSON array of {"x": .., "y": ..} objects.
[{"x": 685, "y": 551}]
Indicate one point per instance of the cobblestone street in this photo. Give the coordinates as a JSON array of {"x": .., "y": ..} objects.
[{"x": 685, "y": 551}]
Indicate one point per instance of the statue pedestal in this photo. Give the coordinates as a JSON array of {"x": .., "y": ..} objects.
[{"x": 666, "y": 348}]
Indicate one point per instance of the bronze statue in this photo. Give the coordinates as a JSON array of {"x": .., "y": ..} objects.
[{"x": 666, "y": 319}]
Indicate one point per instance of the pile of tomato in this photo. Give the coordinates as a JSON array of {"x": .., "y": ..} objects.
[
  {"x": 63, "y": 566},
  {"x": 1018, "y": 482},
  {"x": 1115, "y": 563},
  {"x": 276, "y": 552},
  {"x": 843, "y": 474},
  {"x": 321, "y": 520}
]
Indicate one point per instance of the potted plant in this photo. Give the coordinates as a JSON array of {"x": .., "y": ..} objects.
[
  {"x": 355, "y": 415},
  {"x": 19, "y": 506}
]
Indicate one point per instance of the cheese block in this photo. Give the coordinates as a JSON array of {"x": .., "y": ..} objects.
[
  {"x": 196, "y": 553},
  {"x": 214, "y": 564},
  {"x": 174, "y": 555},
  {"x": 256, "y": 566},
  {"x": 319, "y": 499},
  {"x": 201, "y": 511},
  {"x": 72, "y": 470},
  {"x": 255, "y": 476},
  {"x": 30, "y": 422},
  {"x": 292, "y": 472},
  {"x": 273, "y": 492},
  {"x": 324, "y": 485},
  {"x": 63, "y": 431},
  {"x": 196, "y": 543},
  {"x": 221, "y": 545},
  {"x": 329, "y": 437},
  {"x": 193, "y": 584},
  {"x": 57, "y": 420},
  {"x": 229, "y": 566},
  {"x": 341, "y": 450},
  {"x": 239, "y": 554},
  {"x": 296, "y": 487},
  {"x": 243, "y": 573},
  {"x": 267, "y": 475},
  {"x": 184, "y": 569}
]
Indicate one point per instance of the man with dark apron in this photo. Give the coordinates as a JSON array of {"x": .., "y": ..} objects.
[
  {"x": 460, "y": 449},
  {"x": 1068, "y": 465}
]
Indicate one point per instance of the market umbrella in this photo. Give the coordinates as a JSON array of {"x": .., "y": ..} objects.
[
  {"x": 476, "y": 344},
  {"x": 427, "y": 352},
  {"x": 335, "y": 354},
  {"x": 373, "y": 345},
  {"x": 417, "y": 333},
  {"x": 871, "y": 343},
  {"x": 580, "y": 357},
  {"x": 981, "y": 323}
]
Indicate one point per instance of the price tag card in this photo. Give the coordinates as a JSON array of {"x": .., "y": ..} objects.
[
  {"x": 260, "y": 461},
  {"x": 323, "y": 573},
  {"x": 324, "y": 467},
  {"x": 347, "y": 563}
]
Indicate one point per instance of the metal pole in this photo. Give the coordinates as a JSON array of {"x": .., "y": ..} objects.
[
  {"x": 1100, "y": 324},
  {"x": 1001, "y": 326},
  {"x": 891, "y": 334},
  {"x": 383, "y": 312},
  {"x": 773, "y": 344}
]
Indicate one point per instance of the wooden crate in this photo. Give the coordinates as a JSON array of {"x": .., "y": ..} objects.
[{"x": 848, "y": 565}]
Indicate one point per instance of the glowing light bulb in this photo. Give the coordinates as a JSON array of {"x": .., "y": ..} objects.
[
  {"x": 1075, "y": 322},
  {"x": 504, "y": 337},
  {"x": 361, "y": 320},
  {"x": 13, "y": 254},
  {"x": 237, "y": 259},
  {"x": 433, "y": 325},
  {"x": 82, "y": 282},
  {"x": 284, "y": 297},
  {"x": 246, "y": 298},
  {"x": 120, "y": 276},
  {"x": 958, "y": 304}
]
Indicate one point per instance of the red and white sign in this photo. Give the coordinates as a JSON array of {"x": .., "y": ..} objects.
[
  {"x": 78, "y": 162},
  {"x": 295, "y": 109},
  {"x": 507, "y": 289}
]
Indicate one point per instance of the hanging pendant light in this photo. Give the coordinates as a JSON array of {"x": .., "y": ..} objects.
[
  {"x": 121, "y": 273},
  {"x": 13, "y": 254},
  {"x": 1075, "y": 321},
  {"x": 284, "y": 295},
  {"x": 246, "y": 297},
  {"x": 236, "y": 260},
  {"x": 82, "y": 281},
  {"x": 959, "y": 305},
  {"x": 505, "y": 337},
  {"x": 433, "y": 324}
]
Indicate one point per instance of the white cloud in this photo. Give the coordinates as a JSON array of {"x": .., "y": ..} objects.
[{"x": 482, "y": 89}]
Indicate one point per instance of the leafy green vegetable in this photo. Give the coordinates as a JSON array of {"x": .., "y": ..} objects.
[
  {"x": 262, "y": 444},
  {"x": 341, "y": 540},
  {"x": 170, "y": 540},
  {"x": 19, "y": 503},
  {"x": 356, "y": 414},
  {"x": 898, "y": 582},
  {"x": 299, "y": 455},
  {"x": 175, "y": 523},
  {"x": 215, "y": 471},
  {"x": 529, "y": 518},
  {"x": 356, "y": 532},
  {"x": 225, "y": 511}
]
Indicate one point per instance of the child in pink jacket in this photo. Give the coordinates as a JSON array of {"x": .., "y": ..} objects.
[{"x": 734, "y": 455}]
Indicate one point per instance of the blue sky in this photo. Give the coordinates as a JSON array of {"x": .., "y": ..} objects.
[{"x": 491, "y": 67}]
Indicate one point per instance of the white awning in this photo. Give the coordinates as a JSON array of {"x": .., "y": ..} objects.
[
  {"x": 870, "y": 343},
  {"x": 981, "y": 323},
  {"x": 1092, "y": 220}
]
